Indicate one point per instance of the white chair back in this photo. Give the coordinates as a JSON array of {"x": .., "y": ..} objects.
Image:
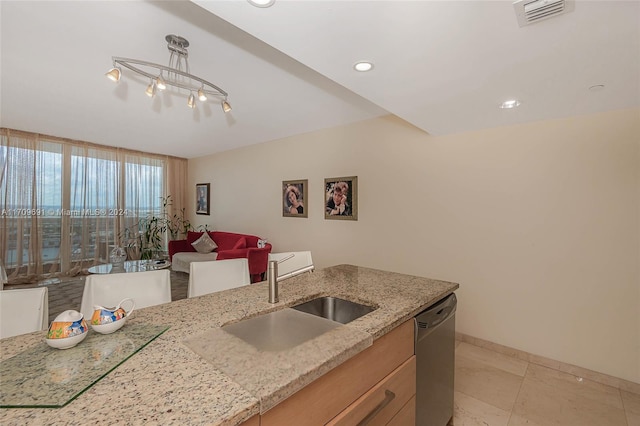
[
  {"x": 3, "y": 276},
  {"x": 23, "y": 311},
  {"x": 300, "y": 263},
  {"x": 148, "y": 288},
  {"x": 217, "y": 275}
]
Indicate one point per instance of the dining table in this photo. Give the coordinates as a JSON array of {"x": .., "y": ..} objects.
[
  {"x": 157, "y": 377},
  {"x": 129, "y": 266}
]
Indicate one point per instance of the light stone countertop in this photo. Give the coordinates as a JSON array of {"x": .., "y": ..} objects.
[{"x": 168, "y": 383}]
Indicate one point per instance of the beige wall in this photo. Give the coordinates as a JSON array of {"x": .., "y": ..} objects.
[{"x": 539, "y": 223}]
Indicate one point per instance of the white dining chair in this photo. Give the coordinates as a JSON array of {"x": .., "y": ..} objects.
[
  {"x": 148, "y": 288},
  {"x": 300, "y": 263},
  {"x": 217, "y": 275},
  {"x": 3, "y": 276},
  {"x": 23, "y": 311}
]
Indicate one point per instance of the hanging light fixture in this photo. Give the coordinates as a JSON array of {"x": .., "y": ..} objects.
[
  {"x": 176, "y": 74},
  {"x": 201, "y": 95},
  {"x": 160, "y": 83},
  {"x": 114, "y": 74},
  {"x": 151, "y": 89},
  {"x": 225, "y": 106}
]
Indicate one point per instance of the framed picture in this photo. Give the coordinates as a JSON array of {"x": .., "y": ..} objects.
[
  {"x": 203, "y": 198},
  {"x": 341, "y": 198},
  {"x": 294, "y": 198}
]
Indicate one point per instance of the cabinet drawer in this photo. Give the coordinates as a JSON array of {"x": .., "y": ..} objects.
[
  {"x": 406, "y": 416},
  {"x": 326, "y": 397},
  {"x": 381, "y": 403}
]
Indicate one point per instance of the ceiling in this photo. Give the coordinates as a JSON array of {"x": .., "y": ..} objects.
[{"x": 443, "y": 66}]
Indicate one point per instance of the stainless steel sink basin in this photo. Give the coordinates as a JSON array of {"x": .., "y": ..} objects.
[
  {"x": 339, "y": 310},
  {"x": 280, "y": 330}
]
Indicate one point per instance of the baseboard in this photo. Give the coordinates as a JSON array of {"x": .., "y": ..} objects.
[{"x": 585, "y": 373}]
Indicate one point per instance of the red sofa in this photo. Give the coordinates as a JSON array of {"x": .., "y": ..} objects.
[{"x": 230, "y": 246}]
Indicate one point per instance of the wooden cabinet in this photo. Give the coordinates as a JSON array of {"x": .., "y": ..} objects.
[
  {"x": 382, "y": 402},
  {"x": 253, "y": 421},
  {"x": 406, "y": 416},
  {"x": 360, "y": 381}
]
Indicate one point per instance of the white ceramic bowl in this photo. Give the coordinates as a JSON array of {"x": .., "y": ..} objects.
[
  {"x": 109, "y": 327},
  {"x": 67, "y": 342}
]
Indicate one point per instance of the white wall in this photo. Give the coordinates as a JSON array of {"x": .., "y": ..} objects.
[{"x": 539, "y": 223}]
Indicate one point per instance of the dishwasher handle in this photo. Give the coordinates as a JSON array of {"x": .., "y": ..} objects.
[{"x": 429, "y": 319}]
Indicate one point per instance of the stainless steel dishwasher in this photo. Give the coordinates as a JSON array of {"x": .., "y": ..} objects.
[{"x": 435, "y": 358}]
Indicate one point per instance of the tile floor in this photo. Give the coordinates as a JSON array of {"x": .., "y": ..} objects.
[
  {"x": 491, "y": 389},
  {"x": 497, "y": 390}
]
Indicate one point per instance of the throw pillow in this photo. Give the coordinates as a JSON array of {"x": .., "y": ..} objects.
[
  {"x": 240, "y": 244},
  {"x": 192, "y": 237},
  {"x": 204, "y": 244},
  {"x": 262, "y": 243}
]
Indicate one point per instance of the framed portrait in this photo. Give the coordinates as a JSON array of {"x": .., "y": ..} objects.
[
  {"x": 294, "y": 198},
  {"x": 203, "y": 198},
  {"x": 341, "y": 198}
]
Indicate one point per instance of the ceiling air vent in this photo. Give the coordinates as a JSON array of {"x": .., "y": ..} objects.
[{"x": 531, "y": 11}]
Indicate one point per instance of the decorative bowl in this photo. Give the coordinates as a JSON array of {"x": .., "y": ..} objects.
[
  {"x": 67, "y": 330},
  {"x": 66, "y": 342},
  {"x": 110, "y": 327},
  {"x": 107, "y": 320}
]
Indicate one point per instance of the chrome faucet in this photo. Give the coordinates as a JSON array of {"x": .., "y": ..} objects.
[{"x": 273, "y": 278}]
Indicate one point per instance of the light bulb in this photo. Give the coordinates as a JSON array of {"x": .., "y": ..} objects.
[
  {"x": 201, "y": 95},
  {"x": 191, "y": 102},
  {"x": 160, "y": 83},
  {"x": 511, "y": 103},
  {"x": 151, "y": 89},
  {"x": 114, "y": 74},
  {"x": 363, "y": 66},
  {"x": 226, "y": 107},
  {"x": 262, "y": 3}
]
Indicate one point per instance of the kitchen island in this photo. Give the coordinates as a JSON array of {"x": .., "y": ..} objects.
[{"x": 168, "y": 383}]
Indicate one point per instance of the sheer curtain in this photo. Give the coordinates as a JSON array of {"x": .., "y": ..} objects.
[{"x": 66, "y": 204}]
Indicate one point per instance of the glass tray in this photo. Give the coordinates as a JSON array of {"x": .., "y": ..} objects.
[{"x": 51, "y": 378}]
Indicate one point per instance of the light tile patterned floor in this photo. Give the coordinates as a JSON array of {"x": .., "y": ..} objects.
[{"x": 492, "y": 389}]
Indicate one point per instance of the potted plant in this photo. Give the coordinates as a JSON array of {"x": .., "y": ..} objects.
[
  {"x": 145, "y": 240},
  {"x": 177, "y": 225},
  {"x": 152, "y": 229},
  {"x": 131, "y": 241}
]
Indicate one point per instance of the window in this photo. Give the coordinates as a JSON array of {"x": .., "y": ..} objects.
[{"x": 65, "y": 204}]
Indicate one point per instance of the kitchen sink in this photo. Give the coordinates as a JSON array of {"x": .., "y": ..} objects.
[
  {"x": 287, "y": 328},
  {"x": 335, "y": 309},
  {"x": 280, "y": 330}
]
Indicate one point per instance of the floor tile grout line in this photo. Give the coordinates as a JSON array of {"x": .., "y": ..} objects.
[
  {"x": 481, "y": 401},
  {"x": 496, "y": 368},
  {"x": 518, "y": 394},
  {"x": 624, "y": 408},
  {"x": 562, "y": 367}
]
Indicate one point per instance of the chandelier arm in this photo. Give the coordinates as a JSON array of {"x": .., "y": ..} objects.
[{"x": 127, "y": 63}]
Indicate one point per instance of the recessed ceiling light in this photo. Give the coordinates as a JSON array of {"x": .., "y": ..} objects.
[
  {"x": 262, "y": 3},
  {"x": 511, "y": 103},
  {"x": 363, "y": 66}
]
